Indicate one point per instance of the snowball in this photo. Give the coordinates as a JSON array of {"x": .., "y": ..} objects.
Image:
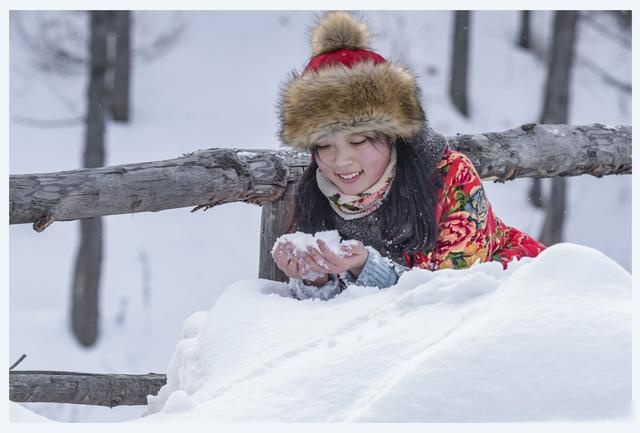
[{"x": 300, "y": 241}]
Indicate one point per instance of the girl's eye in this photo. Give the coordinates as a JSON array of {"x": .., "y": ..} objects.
[{"x": 359, "y": 142}]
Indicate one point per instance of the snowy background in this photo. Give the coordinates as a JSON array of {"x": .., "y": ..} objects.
[{"x": 217, "y": 87}]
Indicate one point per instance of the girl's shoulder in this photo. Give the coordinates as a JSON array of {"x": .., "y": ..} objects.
[{"x": 456, "y": 160}]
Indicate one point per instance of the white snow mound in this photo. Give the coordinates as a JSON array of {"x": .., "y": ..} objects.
[{"x": 547, "y": 339}]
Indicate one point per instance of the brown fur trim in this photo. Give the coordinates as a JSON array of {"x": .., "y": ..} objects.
[
  {"x": 363, "y": 99},
  {"x": 337, "y": 30}
]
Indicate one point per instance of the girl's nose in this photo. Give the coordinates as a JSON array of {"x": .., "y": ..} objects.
[{"x": 344, "y": 159}]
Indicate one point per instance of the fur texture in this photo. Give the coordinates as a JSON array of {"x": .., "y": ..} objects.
[
  {"x": 337, "y": 30},
  {"x": 363, "y": 99}
]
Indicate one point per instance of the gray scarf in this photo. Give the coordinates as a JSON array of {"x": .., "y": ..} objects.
[{"x": 367, "y": 229}]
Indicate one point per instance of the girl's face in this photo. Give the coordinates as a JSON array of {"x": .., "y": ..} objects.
[{"x": 353, "y": 162}]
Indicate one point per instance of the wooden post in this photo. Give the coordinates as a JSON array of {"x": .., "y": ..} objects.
[{"x": 276, "y": 217}]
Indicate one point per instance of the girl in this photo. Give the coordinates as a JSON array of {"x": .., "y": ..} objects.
[{"x": 379, "y": 174}]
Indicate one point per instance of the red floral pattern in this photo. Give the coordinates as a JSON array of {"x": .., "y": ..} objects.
[{"x": 469, "y": 231}]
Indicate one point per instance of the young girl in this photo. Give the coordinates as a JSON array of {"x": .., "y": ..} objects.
[{"x": 379, "y": 174}]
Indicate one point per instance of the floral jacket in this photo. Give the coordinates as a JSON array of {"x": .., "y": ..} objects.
[{"x": 469, "y": 231}]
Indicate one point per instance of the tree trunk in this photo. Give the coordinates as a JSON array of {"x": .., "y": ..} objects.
[
  {"x": 623, "y": 17},
  {"x": 556, "y": 110},
  {"x": 83, "y": 388},
  {"x": 122, "y": 66},
  {"x": 460, "y": 61},
  {"x": 552, "y": 228},
  {"x": 86, "y": 280},
  {"x": 211, "y": 177},
  {"x": 535, "y": 193},
  {"x": 525, "y": 29}
]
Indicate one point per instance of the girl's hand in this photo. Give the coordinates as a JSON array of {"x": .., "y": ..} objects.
[
  {"x": 326, "y": 261},
  {"x": 295, "y": 267}
]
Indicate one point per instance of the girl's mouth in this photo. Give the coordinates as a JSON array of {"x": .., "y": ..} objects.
[{"x": 350, "y": 177}]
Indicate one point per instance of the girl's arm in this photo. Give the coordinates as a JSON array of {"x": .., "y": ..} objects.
[
  {"x": 300, "y": 290},
  {"x": 378, "y": 271}
]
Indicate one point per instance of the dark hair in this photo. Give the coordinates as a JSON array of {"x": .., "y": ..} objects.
[{"x": 410, "y": 204}]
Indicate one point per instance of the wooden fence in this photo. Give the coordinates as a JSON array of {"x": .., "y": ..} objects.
[{"x": 211, "y": 177}]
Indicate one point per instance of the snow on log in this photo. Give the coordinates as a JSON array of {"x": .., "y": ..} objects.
[
  {"x": 83, "y": 388},
  {"x": 206, "y": 178}
]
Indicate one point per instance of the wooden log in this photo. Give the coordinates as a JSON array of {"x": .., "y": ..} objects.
[
  {"x": 536, "y": 151},
  {"x": 203, "y": 179},
  {"x": 275, "y": 221},
  {"x": 83, "y": 388},
  {"x": 207, "y": 178}
]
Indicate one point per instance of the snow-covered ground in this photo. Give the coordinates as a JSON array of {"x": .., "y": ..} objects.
[
  {"x": 548, "y": 339},
  {"x": 212, "y": 89}
]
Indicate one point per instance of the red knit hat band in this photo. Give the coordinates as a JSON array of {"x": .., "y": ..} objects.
[{"x": 343, "y": 56}]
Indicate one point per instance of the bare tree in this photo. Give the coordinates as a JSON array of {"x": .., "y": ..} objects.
[
  {"x": 623, "y": 17},
  {"x": 621, "y": 33},
  {"x": 121, "y": 66},
  {"x": 524, "y": 41},
  {"x": 55, "y": 40},
  {"x": 460, "y": 62},
  {"x": 86, "y": 280},
  {"x": 57, "y": 44},
  {"x": 525, "y": 29},
  {"x": 556, "y": 110}
]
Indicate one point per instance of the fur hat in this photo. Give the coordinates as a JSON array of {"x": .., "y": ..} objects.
[{"x": 348, "y": 88}]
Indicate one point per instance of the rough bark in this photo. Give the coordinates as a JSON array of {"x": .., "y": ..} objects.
[
  {"x": 203, "y": 178},
  {"x": 83, "y": 388},
  {"x": 556, "y": 110},
  {"x": 86, "y": 277},
  {"x": 122, "y": 66},
  {"x": 215, "y": 176},
  {"x": 275, "y": 221},
  {"x": 460, "y": 61}
]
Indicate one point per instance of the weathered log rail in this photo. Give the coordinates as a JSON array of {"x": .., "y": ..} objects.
[
  {"x": 83, "y": 388},
  {"x": 211, "y": 177}
]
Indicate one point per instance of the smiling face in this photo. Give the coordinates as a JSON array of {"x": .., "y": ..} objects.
[{"x": 353, "y": 162}]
